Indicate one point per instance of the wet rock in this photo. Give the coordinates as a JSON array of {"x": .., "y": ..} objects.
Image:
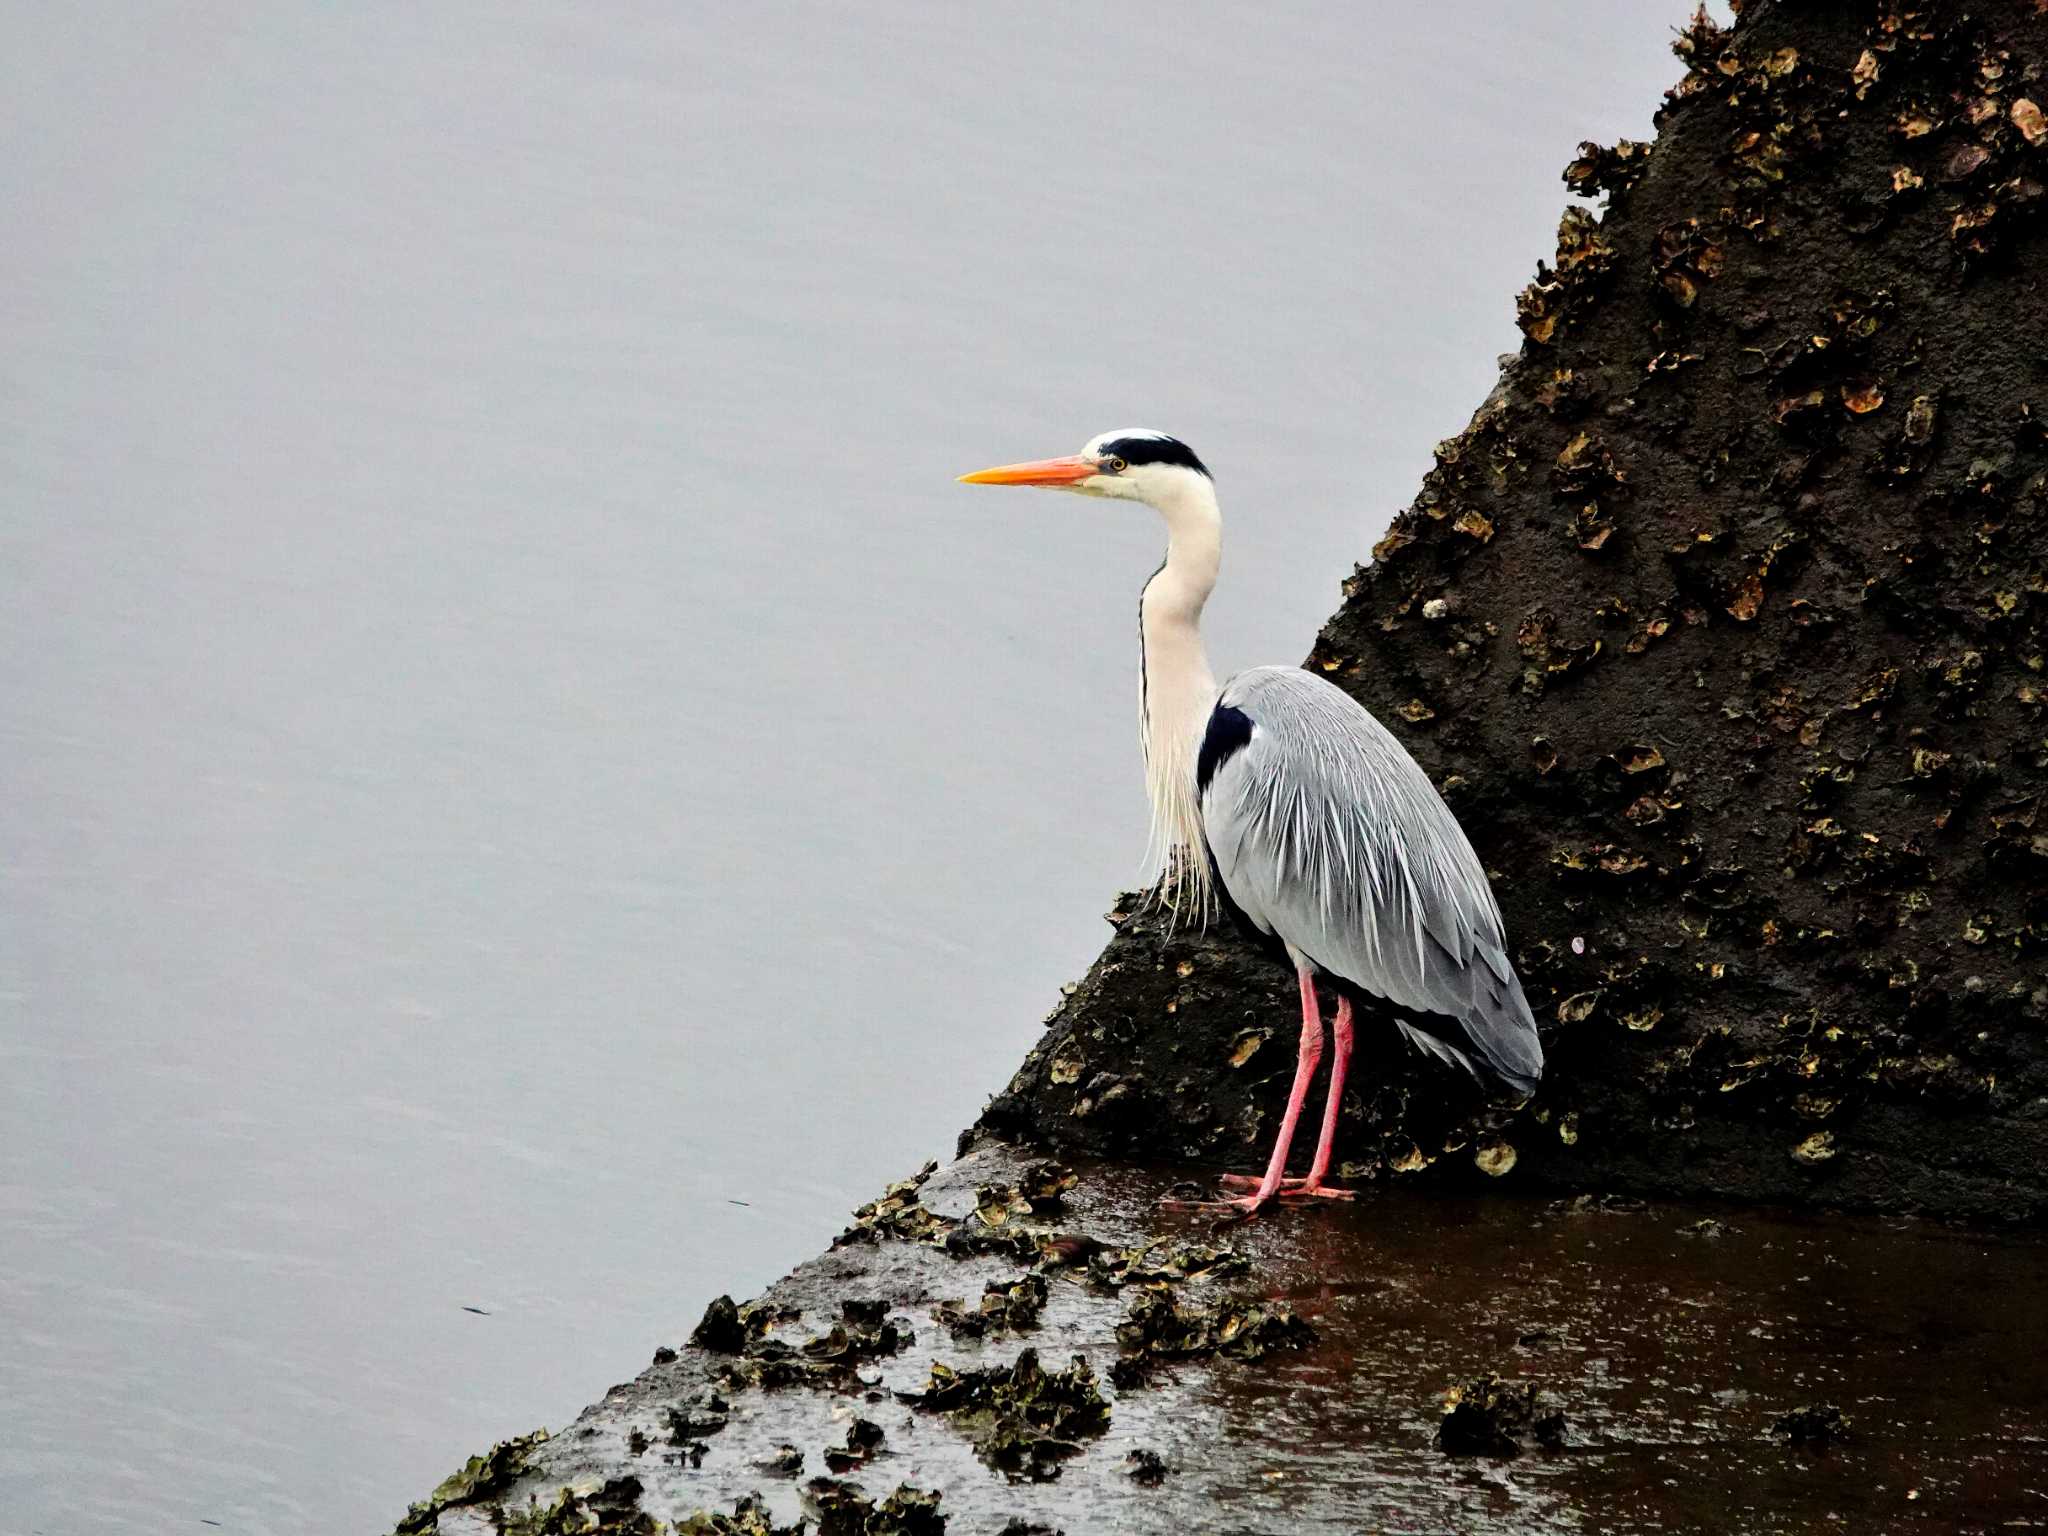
[
  {"x": 1706, "y": 1227},
  {"x": 748, "y": 1518},
  {"x": 1163, "y": 1262},
  {"x": 1004, "y": 1221},
  {"x": 1158, "y": 1325},
  {"x": 1613, "y": 171},
  {"x": 720, "y": 1330},
  {"x": 1145, "y": 1468},
  {"x": 479, "y": 1478},
  {"x": 864, "y": 1314},
  {"x": 1006, "y": 1307},
  {"x": 1491, "y": 1417},
  {"x": 1682, "y": 1344},
  {"x": 1067, "y": 1249},
  {"x": 1044, "y": 1185},
  {"x": 1495, "y": 1158},
  {"x": 1816, "y": 1424},
  {"x": 842, "y": 1509},
  {"x": 1006, "y": 1238},
  {"x": 1815, "y": 1149},
  {"x": 996, "y": 1204},
  {"x": 830, "y": 1359},
  {"x": 842, "y": 1343},
  {"x": 898, "y": 1215},
  {"x": 1023, "y": 1420},
  {"x": 864, "y": 1439},
  {"x": 1600, "y": 1204},
  {"x": 612, "y": 1510},
  {"x": 707, "y": 1416}
]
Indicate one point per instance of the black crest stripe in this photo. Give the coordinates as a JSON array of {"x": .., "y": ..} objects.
[{"x": 1155, "y": 450}]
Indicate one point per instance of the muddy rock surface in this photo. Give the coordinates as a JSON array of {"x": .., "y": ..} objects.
[
  {"x": 1417, "y": 1360},
  {"x": 1723, "y": 627}
]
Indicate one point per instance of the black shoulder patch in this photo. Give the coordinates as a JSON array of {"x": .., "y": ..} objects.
[
  {"x": 1229, "y": 733},
  {"x": 1156, "y": 450}
]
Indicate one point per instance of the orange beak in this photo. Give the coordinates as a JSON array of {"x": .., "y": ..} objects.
[{"x": 1038, "y": 472}]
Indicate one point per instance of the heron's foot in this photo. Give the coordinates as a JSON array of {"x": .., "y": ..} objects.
[
  {"x": 1227, "y": 1212},
  {"x": 1290, "y": 1189}
]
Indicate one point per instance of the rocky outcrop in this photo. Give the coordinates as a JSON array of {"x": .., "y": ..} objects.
[{"x": 1724, "y": 629}]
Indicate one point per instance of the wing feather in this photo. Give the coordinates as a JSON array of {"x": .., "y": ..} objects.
[{"x": 1328, "y": 834}]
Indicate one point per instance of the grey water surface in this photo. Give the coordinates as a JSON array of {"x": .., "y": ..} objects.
[{"x": 525, "y": 788}]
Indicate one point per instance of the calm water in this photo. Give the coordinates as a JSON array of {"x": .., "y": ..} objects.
[{"x": 525, "y": 789}]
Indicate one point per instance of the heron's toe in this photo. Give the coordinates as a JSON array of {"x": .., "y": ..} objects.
[
  {"x": 1226, "y": 1212},
  {"x": 1290, "y": 1189}
]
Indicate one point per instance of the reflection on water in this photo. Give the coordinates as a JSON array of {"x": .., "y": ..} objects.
[{"x": 525, "y": 788}]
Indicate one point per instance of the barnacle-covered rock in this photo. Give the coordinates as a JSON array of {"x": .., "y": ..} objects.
[
  {"x": 477, "y": 1479},
  {"x": 748, "y": 1518},
  {"x": 1023, "y": 1419},
  {"x": 1158, "y": 1264},
  {"x": 1764, "y": 494},
  {"x": 1491, "y": 1417},
  {"x": 1599, "y": 169},
  {"x": 1818, "y": 1424},
  {"x": 1159, "y": 1325},
  {"x": 1007, "y": 1306},
  {"x": 844, "y": 1509}
]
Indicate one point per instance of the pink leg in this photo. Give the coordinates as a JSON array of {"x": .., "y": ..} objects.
[
  {"x": 1305, "y": 1062},
  {"x": 1313, "y": 1186}
]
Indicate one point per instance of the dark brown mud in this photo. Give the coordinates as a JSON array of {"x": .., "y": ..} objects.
[{"x": 1733, "y": 1370}]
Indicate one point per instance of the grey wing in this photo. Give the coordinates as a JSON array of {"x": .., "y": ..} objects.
[{"x": 1327, "y": 833}]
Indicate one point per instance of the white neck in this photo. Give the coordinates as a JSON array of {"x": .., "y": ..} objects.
[{"x": 1179, "y": 691}]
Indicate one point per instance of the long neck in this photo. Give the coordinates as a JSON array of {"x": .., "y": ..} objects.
[{"x": 1179, "y": 691}]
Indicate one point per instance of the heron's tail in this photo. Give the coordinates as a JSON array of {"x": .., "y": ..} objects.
[
  {"x": 1502, "y": 1030},
  {"x": 1491, "y": 1034}
]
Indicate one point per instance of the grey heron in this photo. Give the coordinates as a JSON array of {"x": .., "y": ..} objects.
[{"x": 1318, "y": 826}]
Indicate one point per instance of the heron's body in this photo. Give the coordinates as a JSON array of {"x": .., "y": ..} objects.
[
  {"x": 1315, "y": 821},
  {"x": 1329, "y": 836}
]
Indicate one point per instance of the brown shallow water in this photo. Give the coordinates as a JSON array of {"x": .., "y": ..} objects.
[
  {"x": 1671, "y": 1354},
  {"x": 1671, "y": 1337}
]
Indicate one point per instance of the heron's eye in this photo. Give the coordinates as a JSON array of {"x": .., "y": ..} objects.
[{"x": 1114, "y": 465}]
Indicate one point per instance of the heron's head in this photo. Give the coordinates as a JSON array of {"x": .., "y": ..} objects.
[{"x": 1131, "y": 463}]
